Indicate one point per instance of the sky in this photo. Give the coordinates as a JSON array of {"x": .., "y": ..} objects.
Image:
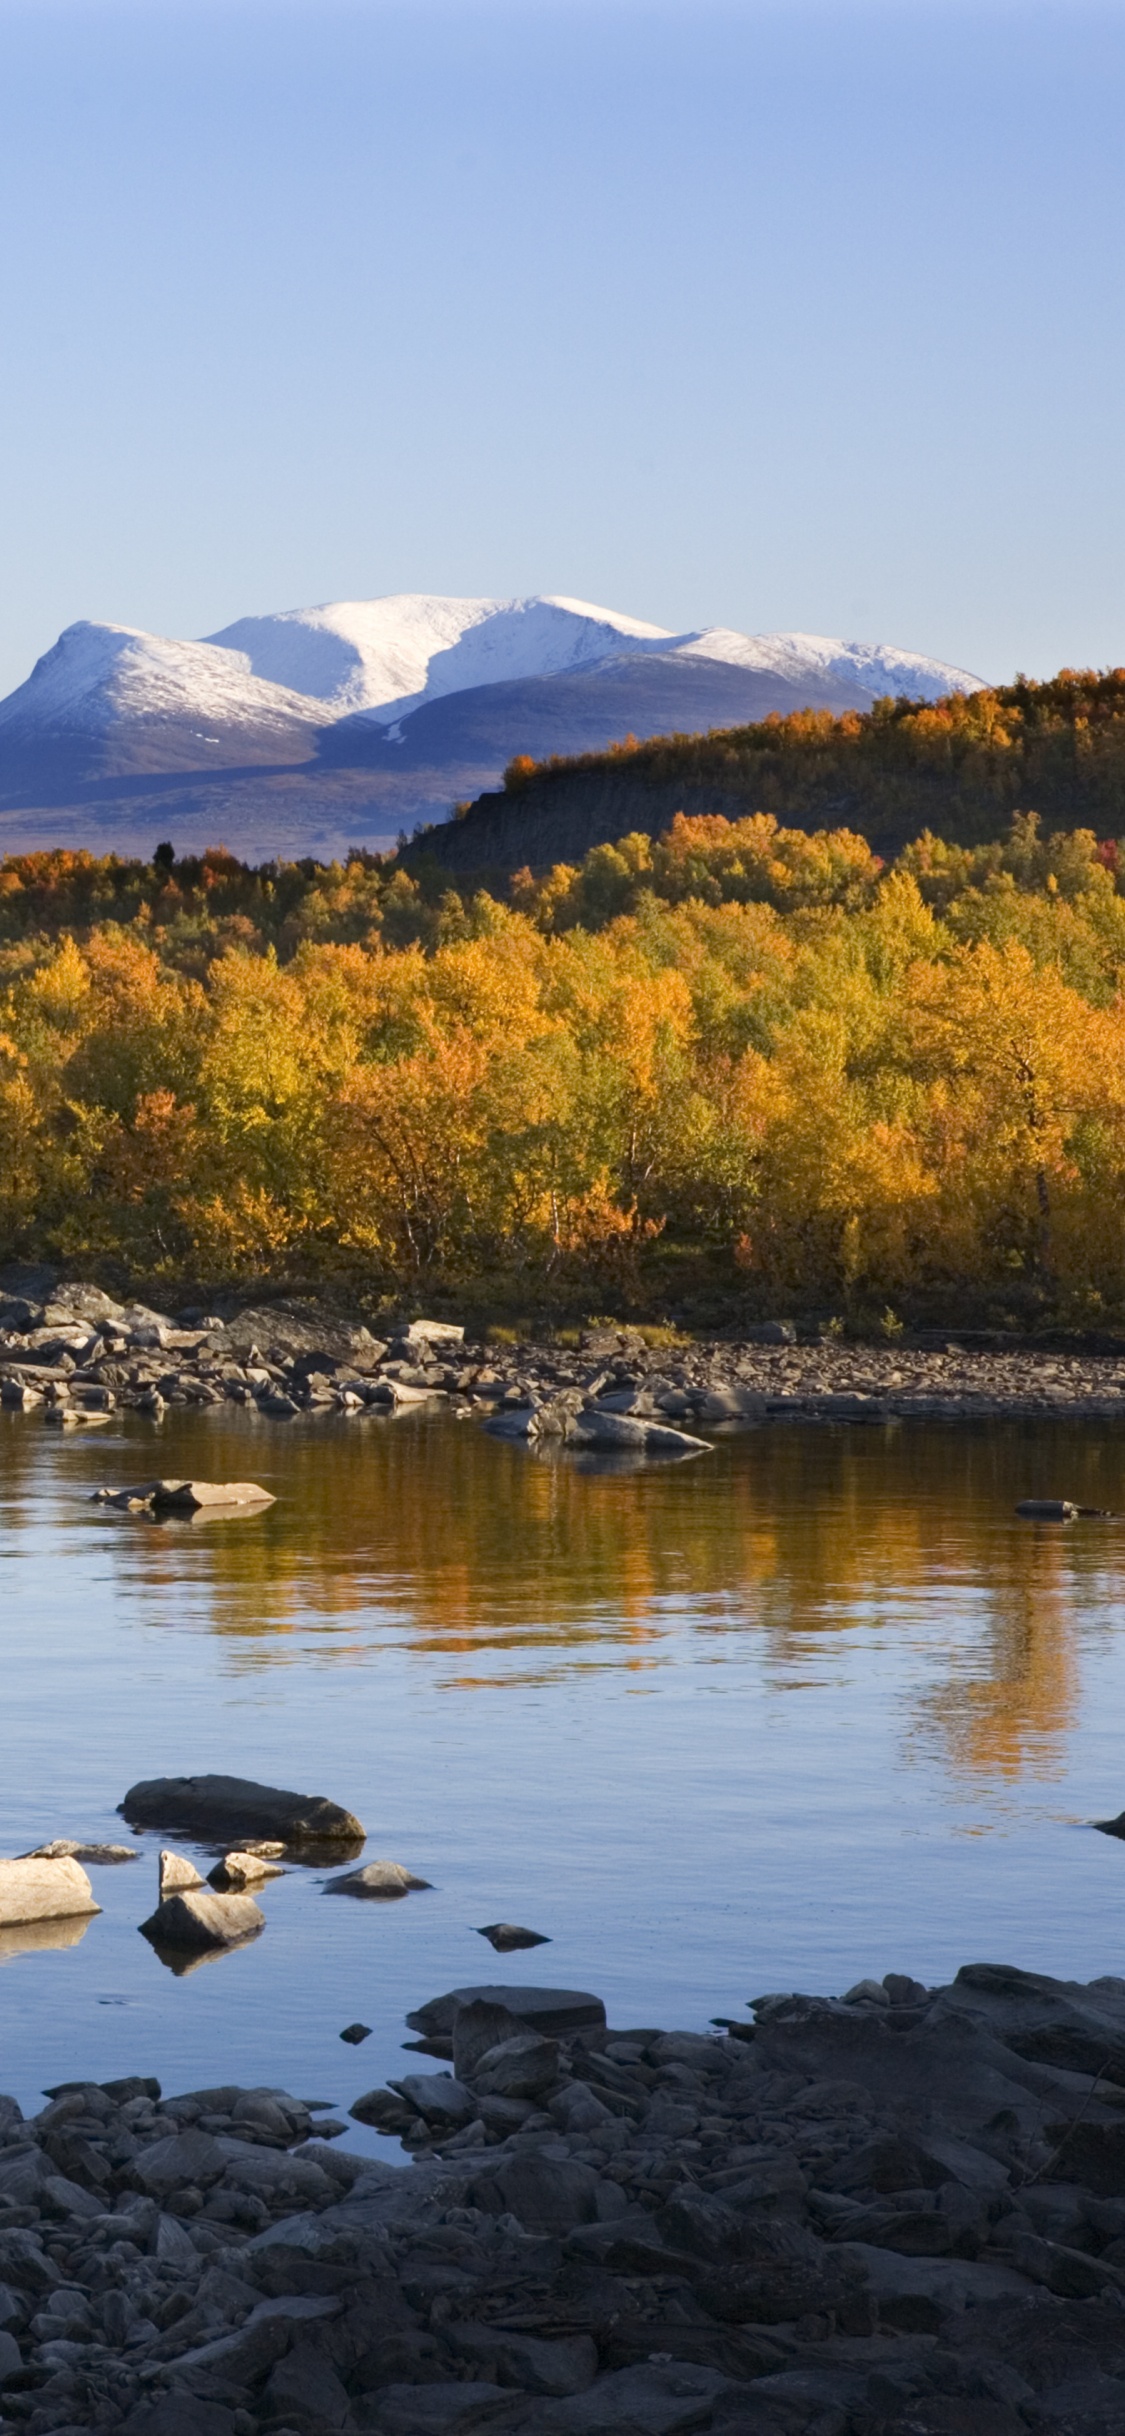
[{"x": 714, "y": 311}]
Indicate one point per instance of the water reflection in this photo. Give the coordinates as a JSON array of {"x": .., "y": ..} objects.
[
  {"x": 496, "y": 1571},
  {"x": 43, "y": 1936}
]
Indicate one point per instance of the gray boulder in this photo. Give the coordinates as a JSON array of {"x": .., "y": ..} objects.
[
  {"x": 526, "y": 2066},
  {"x": 477, "y": 2028},
  {"x": 438, "y": 2098}
]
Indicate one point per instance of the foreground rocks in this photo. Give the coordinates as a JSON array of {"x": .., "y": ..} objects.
[{"x": 903, "y": 2211}]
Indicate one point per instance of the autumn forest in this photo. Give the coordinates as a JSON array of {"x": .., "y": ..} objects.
[{"x": 744, "y": 1064}]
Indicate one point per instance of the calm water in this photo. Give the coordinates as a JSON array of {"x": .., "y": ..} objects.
[{"x": 811, "y": 1706}]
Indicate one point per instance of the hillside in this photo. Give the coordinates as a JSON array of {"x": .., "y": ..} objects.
[{"x": 961, "y": 766}]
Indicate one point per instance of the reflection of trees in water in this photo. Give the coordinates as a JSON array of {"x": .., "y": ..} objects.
[
  {"x": 1003, "y": 1711},
  {"x": 437, "y": 1540}
]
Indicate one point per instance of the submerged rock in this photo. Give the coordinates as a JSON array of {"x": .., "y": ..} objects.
[
  {"x": 377, "y": 1880},
  {"x": 208, "y": 1806}
]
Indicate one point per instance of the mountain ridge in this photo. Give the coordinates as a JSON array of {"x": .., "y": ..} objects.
[{"x": 404, "y": 704}]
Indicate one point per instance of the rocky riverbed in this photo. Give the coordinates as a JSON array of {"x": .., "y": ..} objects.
[
  {"x": 74, "y": 1355},
  {"x": 900, "y": 2210}
]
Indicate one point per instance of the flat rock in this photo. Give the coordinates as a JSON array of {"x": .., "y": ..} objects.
[
  {"x": 100, "y": 1855},
  {"x": 377, "y": 1881},
  {"x": 595, "y": 1428},
  {"x": 53, "y": 1888},
  {"x": 556, "y": 2012},
  {"x": 196, "y": 1920},
  {"x": 428, "y": 2410},
  {"x": 209, "y": 1806},
  {"x": 184, "y": 1496},
  {"x": 948, "y": 2283},
  {"x": 654, "y": 2400}
]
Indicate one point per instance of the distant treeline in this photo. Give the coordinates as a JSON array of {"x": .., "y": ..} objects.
[{"x": 737, "y": 1064}]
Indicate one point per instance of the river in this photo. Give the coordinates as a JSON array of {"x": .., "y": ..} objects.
[{"x": 811, "y": 1706}]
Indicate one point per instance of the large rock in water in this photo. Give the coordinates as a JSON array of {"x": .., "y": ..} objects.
[
  {"x": 35, "y": 1889},
  {"x": 225, "y": 1806}
]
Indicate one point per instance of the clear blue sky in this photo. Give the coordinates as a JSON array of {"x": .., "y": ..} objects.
[{"x": 718, "y": 312}]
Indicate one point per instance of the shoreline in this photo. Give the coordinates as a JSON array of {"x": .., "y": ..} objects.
[
  {"x": 77, "y": 1355},
  {"x": 900, "y": 2212}
]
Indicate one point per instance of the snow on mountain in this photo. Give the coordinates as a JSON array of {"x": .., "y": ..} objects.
[
  {"x": 878, "y": 668},
  {"x": 112, "y": 700},
  {"x": 96, "y": 676},
  {"x": 359, "y": 718},
  {"x": 385, "y": 657}
]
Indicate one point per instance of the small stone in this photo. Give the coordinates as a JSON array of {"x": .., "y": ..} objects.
[
  {"x": 239, "y": 1869},
  {"x": 505, "y": 1939},
  {"x": 176, "y": 1874},
  {"x": 355, "y": 2034}
]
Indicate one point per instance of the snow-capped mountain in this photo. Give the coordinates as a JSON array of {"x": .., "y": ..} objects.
[
  {"x": 387, "y": 656},
  {"x": 119, "y": 698},
  {"x": 313, "y": 729}
]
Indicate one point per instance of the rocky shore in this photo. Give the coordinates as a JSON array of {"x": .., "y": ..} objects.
[
  {"x": 74, "y": 1355},
  {"x": 897, "y": 2213}
]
